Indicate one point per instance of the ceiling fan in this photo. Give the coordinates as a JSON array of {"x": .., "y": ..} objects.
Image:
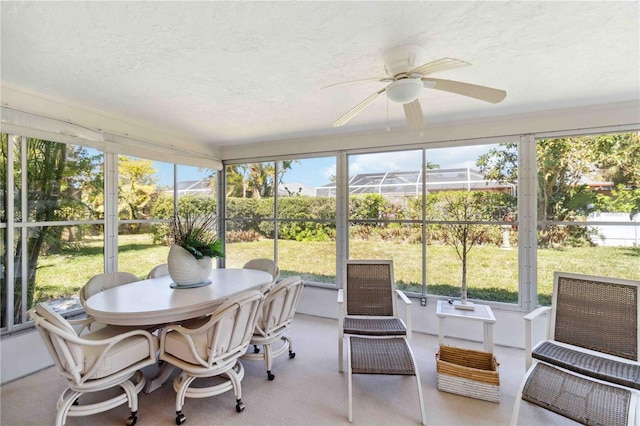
[{"x": 406, "y": 81}]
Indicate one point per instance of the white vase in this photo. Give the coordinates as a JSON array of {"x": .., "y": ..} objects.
[{"x": 184, "y": 269}]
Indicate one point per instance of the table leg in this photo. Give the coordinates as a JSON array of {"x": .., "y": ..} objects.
[
  {"x": 488, "y": 337},
  {"x": 166, "y": 369},
  {"x": 441, "y": 330}
]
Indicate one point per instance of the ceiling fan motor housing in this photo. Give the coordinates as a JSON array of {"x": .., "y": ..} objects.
[{"x": 402, "y": 59}]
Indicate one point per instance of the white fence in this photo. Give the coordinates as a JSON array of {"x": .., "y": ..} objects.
[{"x": 615, "y": 235}]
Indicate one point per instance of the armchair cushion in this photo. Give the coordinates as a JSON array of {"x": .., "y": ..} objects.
[
  {"x": 610, "y": 370},
  {"x": 54, "y": 318},
  {"x": 120, "y": 356},
  {"x": 391, "y": 326},
  {"x": 176, "y": 343},
  {"x": 576, "y": 397}
]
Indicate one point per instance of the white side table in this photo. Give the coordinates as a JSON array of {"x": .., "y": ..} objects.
[{"x": 481, "y": 313}]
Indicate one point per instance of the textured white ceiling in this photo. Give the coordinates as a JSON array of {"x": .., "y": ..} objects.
[{"x": 234, "y": 72}]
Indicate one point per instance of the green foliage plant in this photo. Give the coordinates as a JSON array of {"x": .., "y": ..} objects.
[
  {"x": 196, "y": 233},
  {"x": 197, "y": 204}
]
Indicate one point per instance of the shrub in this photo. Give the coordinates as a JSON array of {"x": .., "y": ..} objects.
[
  {"x": 163, "y": 209},
  {"x": 373, "y": 206},
  {"x": 405, "y": 234},
  {"x": 242, "y": 236}
]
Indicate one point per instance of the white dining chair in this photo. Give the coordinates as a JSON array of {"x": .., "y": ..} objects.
[
  {"x": 160, "y": 270},
  {"x": 274, "y": 320},
  {"x": 104, "y": 281},
  {"x": 266, "y": 265},
  {"x": 211, "y": 346},
  {"x": 108, "y": 358},
  {"x": 96, "y": 284}
]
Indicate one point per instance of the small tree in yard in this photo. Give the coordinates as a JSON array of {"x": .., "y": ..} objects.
[{"x": 464, "y": 210}]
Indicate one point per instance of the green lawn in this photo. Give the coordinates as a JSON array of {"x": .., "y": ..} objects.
[{"x": 492, "y": 272}]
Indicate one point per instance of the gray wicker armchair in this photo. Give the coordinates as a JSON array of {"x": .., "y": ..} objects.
[
  {"x": 587, "y": 368},
  {"x": 367, "y": 303}
]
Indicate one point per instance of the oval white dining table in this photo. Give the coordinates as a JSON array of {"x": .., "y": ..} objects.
[{"x": 153, "y": 301}]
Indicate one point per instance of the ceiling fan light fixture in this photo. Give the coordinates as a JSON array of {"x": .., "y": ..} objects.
[{"x": 405, "y": 90}]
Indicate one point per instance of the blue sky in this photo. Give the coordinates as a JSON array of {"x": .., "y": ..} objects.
[{"x": 314, "y": 172}]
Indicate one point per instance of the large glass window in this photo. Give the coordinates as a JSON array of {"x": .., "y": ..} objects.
[
  {"x": 306, "y": 221},
  {"x": 385, "y": 212},
  {"x": 588, "y": 207},
  {"x": 277, "y": 210},
  {"x": 471, "y": 211},
  {"x": 55, "y": 235},
  {"x": 53, "y": 223},
  {"x": 249, "y": 215},
  {"x": 145, "y": 192},
  {"x": 441, "y": 216},
  {"x": 444, "y": 215},
  {"x": 146, "y": 206}
]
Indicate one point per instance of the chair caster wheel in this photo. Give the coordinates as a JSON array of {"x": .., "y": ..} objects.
[
  {"x": 256, "y": 349},
  {"x": 292, "y": 355},
  {"x": 240, "y": 406},
  {"x": 270, "y": 376},
  {"x": 180, "y": 418},
  {"x": 132, "y": 420}
]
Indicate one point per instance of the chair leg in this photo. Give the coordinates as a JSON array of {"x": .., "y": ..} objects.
[
  {"x": 349, "y": 375},
  {"x": 180, "y": 385},
  {"x": 340, "y": 343},
  {"x": 132, "y": 397},
  {"x": 64, "y": 405},
  {"x": 423, "y": 415},
  {"x": 288, "y": 342},
  {"x": 268, "y": 359},
  {"x": 237, "y": 386}
]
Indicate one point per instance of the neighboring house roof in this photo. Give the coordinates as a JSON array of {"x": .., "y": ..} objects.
[
  {"x": 201, "y": 186},
  {"x": 294, "y": 188},
  {"x": 410, "y": 182},
  {"x": 595, "y": 184}
]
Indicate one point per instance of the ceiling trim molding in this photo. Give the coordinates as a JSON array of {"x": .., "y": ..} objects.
[
  {"x": 24, "y": 100},
  {"x": 570, "y": 120}
]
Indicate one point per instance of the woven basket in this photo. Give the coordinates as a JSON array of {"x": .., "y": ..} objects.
[{"x": 469, "y": 373}]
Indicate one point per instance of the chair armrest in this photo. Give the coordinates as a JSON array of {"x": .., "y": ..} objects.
[
  {"x": 408, "y": 316},
  {"x": 186, "y": 333},
  {"x": 111, "y": 341},
  {"x": 528, "y": 337},
  {"x": 84, "y": 323},
  {"x": 536, "y": 313},
  {"x": 404, "y": 297}
]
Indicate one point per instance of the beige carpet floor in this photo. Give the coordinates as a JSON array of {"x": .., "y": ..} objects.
[{"x": 307, "y": 390}]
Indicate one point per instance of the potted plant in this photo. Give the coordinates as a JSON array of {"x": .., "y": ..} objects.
[{"x": 195, "y": 242}]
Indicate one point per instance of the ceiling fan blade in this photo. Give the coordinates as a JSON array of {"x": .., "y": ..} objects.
[
  {"x": 413, "y": 112},
  {"x": 443, "y": 64},
  {"x": 380, "y": 79},
  {"x": 482, "y": 93},
  {"x": 356, "y": 109}
]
